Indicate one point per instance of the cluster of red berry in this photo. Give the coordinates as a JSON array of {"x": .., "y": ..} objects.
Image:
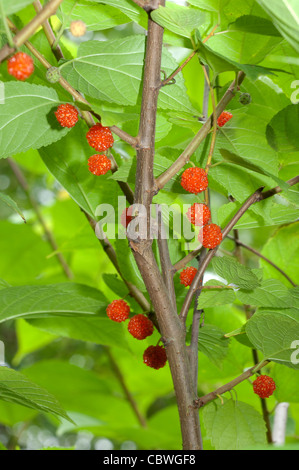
[
  {"x": 139, "y": 326},
  {"x": 21, "y": 66},
  {"x": 98, "y": 137}
]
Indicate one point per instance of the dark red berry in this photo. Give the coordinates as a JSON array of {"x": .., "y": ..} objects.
[{"x": 155, "y": 357}]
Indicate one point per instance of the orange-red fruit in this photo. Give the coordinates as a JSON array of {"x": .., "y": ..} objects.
[
  {"x": 194, "y": 180},
  {"x": 67, "y": 115},
  {"x": 187, "y": 276},
  {"x": 264, "y": 386},
  {"x": 140, "y": 326},
  {"x": 199, "y": 214},
  {"x": 20, "y": 66},
  {"x": 155, "y": 357},
  {"x": 99, "y": 164},
  {"x": 224, "y": 118},
  {"x": 210, "y": 236},
  {"x": 118, "y": 310},
  {"x": 126, "y": 217},
  {"x": 99, "y": 137}
]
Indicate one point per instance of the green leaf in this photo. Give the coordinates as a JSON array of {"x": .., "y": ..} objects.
[
  {"x": 282, "y": 132},
  {"x": 240, "y": 335},
  {"x": 283, "y": 249},
  {"x": 96, "y": 17},
  {"x": 285, "y": 17},
  {"x": 278, "y": 214},
  {"x": 128, "y": 264},
  {"x": 219, "y": 63},
  {"x": 274, "y": 333},
  {"x": 210, "y": 5},
  {"x": 235, "y": 273},
  {"x": 17, "y": 5},
  {"x": 237, "y": 160},
  {"x": 51, "y": 300},
  {"x": 214, "y": 297},
  {"x": 27, "y": 118},
  {"x": 20, "y": 242},
  {"x": 255, "y": 25},
  {"x": 67, "y": 161},
  {"x": 134, "y": 12},
  {"x": 179, "y": 19},
  {"x": 112, "y": 71},
  {"x": 4, "y": 284},
  {"x": 97, "y": 395},
  {"x": 234, "y": 425},
  {"x": 271, "y": 293},
  {"x": 98, "y": 330},
  {"x": 212, "y": 343},
  {"x": 287, "y": 384},
  {"x": 29, "y": 340},
  {"x": 115, "y": 284},
  {"x": 17, "y": 388},
  {"x": 12, "y": 204}
]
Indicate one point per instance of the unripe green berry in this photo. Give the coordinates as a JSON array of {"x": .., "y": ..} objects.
[
  {"x": 53, "y": 74},
  {"x": 245, "y": 98}
]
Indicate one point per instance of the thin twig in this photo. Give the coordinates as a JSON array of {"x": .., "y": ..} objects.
[
  {"x": 198, "y": 139},
  {"x": 254, "y": 198},
  {"x": 178, "y": 70},
  {"x": 197, "y": 315},
  {"x": 257, "y": 253},
  {"x": 49, "y": 33},
  {"x": 184, "y": 261},
  {"x": 24, "y": 34},
  {"x": 111, "y": 253},
  {"x": 50, "y": 237},
  {"x": 214, "y": 134},
  {"x": 120, "y": 377},
  {"x": 74, "y": 93},
  {"x": 166, "y": 265},
  {"x": 210, "y": 34},
  {"x": 229, "y": 386}
]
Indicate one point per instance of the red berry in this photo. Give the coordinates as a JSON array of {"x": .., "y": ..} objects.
[
  {"x": 99, "y": 137},
  {"x": 140, "y": 326},
  {"x": 20, "y": 66},
  {"x": 264, "y": 386},
  {"x": 126, "y": 217},
  {"x": 99, "y": 164},
  {"x": 210, "y": 236},
  {"x": 224, "y": 118},
  {"x": 187, "y": 276},
  {"x": 67, "y": 115},
  {"x": 155, "y": 357},
  {"x": 118, "y": 310},
  {"x": 194, "y": 180},
  {"x": 199, "y": 214}
]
